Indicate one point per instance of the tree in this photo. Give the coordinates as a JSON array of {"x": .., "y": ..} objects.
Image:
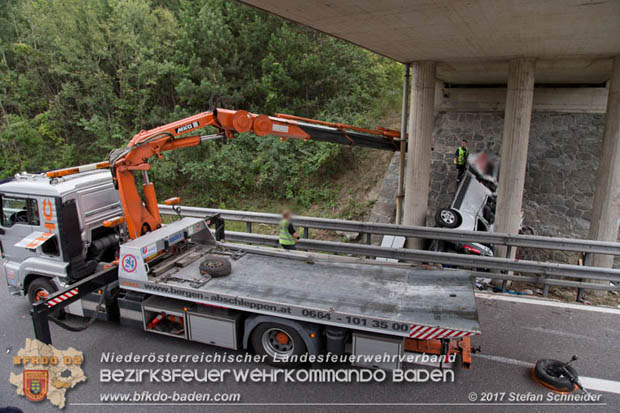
[{"x": 78, "y": 79}]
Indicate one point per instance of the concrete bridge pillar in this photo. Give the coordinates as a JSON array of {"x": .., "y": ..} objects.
[
  {"x": 606, "y": 205},
  {"x": 418, "y": 174},
  {"x": 517, "y": 118}
]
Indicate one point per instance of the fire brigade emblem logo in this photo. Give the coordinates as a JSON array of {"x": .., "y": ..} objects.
[
  {"x": 129, "y": 263},
  {"x": 35, "y": 384},
  {"x": 46, "y": 372}
]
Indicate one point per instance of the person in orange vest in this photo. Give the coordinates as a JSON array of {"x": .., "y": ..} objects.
[{"x": 460, "y": 160}]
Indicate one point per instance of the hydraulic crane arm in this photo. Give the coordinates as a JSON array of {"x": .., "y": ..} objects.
[{"x": 141, "y": 214}]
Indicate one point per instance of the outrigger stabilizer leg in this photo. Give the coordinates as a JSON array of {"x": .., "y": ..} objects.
[{"x": 42, "y": 309}]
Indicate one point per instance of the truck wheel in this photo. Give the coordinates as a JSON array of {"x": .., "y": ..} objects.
[
  {"x": 277, "y": 342},
  {"x": 215, "y": 266},
  {"x": 448, "y": 218},
  {"x": 39, "y": 289}
]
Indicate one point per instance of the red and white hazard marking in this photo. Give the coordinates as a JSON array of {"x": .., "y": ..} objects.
[
  {"x": 432, "y": 333},
  {"x": 62, "y": 297}
]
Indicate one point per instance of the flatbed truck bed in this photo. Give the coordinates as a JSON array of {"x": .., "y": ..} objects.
[{"x": 380, "y": 299}]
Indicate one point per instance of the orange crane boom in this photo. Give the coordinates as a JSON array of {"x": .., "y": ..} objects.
[{"x": 141, "y": 214}]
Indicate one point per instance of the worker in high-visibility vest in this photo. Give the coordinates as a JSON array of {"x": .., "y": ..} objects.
[
  {"x": 288, "y": 235},
  {"x": 460, "y": 160}
]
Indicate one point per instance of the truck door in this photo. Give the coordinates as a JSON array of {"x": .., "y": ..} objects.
[{"x": 19, "y": 218}]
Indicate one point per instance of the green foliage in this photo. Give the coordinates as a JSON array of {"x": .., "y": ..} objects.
[
  {"x": 33, "y": 144},
  {"x": 79, "y": 78}
]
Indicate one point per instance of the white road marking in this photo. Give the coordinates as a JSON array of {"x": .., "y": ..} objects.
[
  {"x": 559, "y": 333},
  {"x": 590, "y": 383},
  {"x": 549, "y": 303},
  {"x": 504, "y": 360}
]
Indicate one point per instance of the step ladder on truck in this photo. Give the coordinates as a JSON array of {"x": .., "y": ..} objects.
[{"x": 183, "y": 280}]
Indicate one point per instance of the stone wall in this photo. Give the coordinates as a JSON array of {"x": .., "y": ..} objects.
[
  {"x": 563, "y": 158},
  {"x": 384, "y": 209}
]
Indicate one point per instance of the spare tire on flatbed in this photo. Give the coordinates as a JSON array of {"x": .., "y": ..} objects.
[{"x": 215, "y": 266}]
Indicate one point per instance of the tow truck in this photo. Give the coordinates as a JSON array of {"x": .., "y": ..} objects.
[{"x": 84, "y": 240}]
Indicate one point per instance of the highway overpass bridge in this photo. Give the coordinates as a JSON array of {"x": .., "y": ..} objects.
[{"x": 515, "y": 56}]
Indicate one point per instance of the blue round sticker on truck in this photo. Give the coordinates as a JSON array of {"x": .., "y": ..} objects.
[{"x": 129, "y": 263}]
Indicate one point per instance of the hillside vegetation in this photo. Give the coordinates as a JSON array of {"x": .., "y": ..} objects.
[{"x": 79, "y": 78}]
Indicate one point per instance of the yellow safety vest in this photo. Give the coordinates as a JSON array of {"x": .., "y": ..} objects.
[
  {"x": 460, "y": 159},
  {"x": 286, "y": 238}
]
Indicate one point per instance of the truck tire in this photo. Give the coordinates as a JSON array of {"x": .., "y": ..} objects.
[
  {"x": 215, "y": 266},
  {"x": 548, "y": 372},
  {"x": 277, "y": 342},
  {"x": 448, "y": 218},
  {"x": 40, "y": 288}
]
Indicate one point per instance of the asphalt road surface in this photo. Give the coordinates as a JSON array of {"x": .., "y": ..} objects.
[{"x": 514, "y": 335}]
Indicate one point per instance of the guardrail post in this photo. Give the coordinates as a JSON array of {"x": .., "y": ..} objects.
[
  {"x": 546, "y": 289},
  {"x": 306, "y": 233},
  {"x": 587, "y": 258},
  {"x": 248, "y": 227},
  {"x": 579, "y": 297},
  {"x": 368, "y": 241},
  {"x": 505, "y": 282}
]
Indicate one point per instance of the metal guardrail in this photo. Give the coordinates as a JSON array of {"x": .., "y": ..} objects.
[
  {"x": 461, "y": 260},
  {"x": 535, "y": 272},
  {"x": 531, "y": 241}
]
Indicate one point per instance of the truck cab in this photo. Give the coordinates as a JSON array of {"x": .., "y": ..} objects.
[{"x": 51, "y": 231}]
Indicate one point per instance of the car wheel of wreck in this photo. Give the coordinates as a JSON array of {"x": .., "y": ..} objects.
[{"x": 448, "y": 218}]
